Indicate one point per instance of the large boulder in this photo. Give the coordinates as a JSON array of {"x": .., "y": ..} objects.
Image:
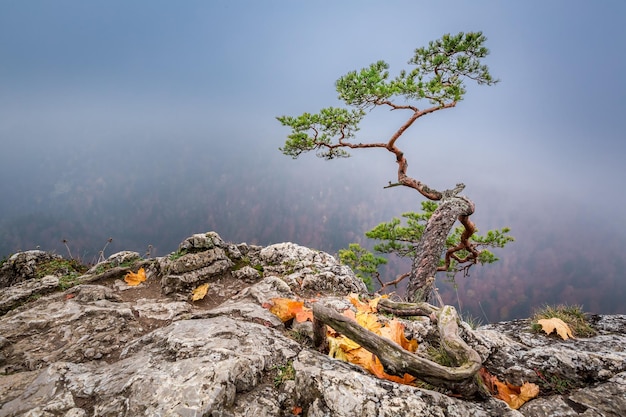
[
  {"x": 309, "y": 270},
  {"x": 586, "y": 376},
  {"x": 200, "y": 258}
]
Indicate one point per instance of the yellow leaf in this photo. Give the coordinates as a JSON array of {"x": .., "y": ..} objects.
[
  {"x": 340, "y": 346},
  {"x": 200, "y": 292},
  {"x": 369, "y": 321},
  {"x": 550, "y": 325},
  {"x": 134, "y": 279},
  {"x": 528, "y": 391},
  {"x": 286, "y": 309}
]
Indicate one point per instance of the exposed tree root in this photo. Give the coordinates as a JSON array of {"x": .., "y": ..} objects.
[{"x": 460, "y": 379}]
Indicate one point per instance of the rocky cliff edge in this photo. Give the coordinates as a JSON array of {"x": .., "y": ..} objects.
[{"x": 85, "y": 343}]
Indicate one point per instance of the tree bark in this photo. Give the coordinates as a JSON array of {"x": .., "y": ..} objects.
[{"x": 433, "y": 243}]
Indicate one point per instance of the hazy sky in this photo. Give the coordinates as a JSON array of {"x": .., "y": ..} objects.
[
  {"x": 75, "y": 72},
  {"x": 121, "y": 79}
]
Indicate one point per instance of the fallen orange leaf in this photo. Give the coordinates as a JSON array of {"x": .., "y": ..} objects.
[
  {"x": 286, "y": 309},
  {"x": 369, "y": 321},
  {"x": 371, "y": 306},
  {"x": 394, "y": 330},
  {"x": 134, "y": 279},
  {"x": 514, "y": 396},
  {"x": 552, "y": 324},
  {"x": 349, "y": 314}
]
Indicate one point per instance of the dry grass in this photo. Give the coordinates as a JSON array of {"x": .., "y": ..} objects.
[{"x": 573, "y": 315}]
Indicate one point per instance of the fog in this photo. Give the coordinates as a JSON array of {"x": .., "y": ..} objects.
[{"x": 146, "y": 122}]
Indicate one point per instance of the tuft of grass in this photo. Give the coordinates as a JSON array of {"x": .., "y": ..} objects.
[
  {"x": 551, "y": 383},
  {"x": 572, "y": 315},
  {"x": 245, "y": 261},
  {"x": 240, "y": 263},
  {"x": 300, "y": 336},
  {"x": 60, "y": 267},
  {"x": 4, "y": 259},
  {"x": 284, "y": 373},
  {"x": 68, "y": 271},
  {"x": 473, "y": 322},
  {"x": 440, "y": 356},
  {"x": 178, "y": 254}
]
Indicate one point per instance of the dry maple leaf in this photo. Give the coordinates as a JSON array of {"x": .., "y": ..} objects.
[
  {"x": 286, "y": 309},
  {"x": 514, "y": 396},
  {"x": 199, "y": 292},
  {"x": 134, "y": 279},
  {"x": 550, "y": 325}
]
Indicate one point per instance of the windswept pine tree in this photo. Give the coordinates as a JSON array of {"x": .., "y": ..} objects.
[{"x": 436, "y": 80}]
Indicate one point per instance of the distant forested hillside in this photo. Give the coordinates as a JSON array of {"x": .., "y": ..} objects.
[{"x": 152, "y": 202}]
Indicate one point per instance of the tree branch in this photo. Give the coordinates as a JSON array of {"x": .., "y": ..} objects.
[{"x": 396, "y": 281}]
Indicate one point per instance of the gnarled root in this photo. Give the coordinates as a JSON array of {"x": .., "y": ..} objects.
[{"x": 460, "y": 379}]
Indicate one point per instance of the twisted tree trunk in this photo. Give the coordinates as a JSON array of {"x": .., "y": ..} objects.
[{"x": 433, "y": 243}]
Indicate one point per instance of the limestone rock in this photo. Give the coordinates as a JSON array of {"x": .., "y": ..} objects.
[
  {"x": 591, "y": 370},
  {"x": 607, "y": 399},
  {"x": 201, "y": 242},
  {"x": 92, "y": 324},
  {"x": 163, "y": 310},
  {"x": 192, "y": 269},
  {"x": 22, "y": 266},
  {"x": 248, "y": 305},
  {"x": 189, "y": 368},
  {"x": 332, "y": 388},
  {"x": 306, "y": 269},
  {"x": 14, "y": 295},
  {"x": 104, "y": 348},
  {"x": 247, "y": 274},
  {"x": 523, "y": 355},
  {"x": 114, "y": 260}
]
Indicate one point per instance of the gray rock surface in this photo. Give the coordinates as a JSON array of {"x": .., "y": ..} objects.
[
  {"x": 22, "y": 266},
  {"x": 592, "y": 370},
  {"x": 341, "y": 389},
  {"x": 308, "y": 269},
  {"x": 13, "y": 296},
  {"x": 104, "y": 348}
]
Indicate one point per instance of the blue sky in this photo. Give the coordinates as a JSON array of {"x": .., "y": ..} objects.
[{"x": 118, "y": 77}]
